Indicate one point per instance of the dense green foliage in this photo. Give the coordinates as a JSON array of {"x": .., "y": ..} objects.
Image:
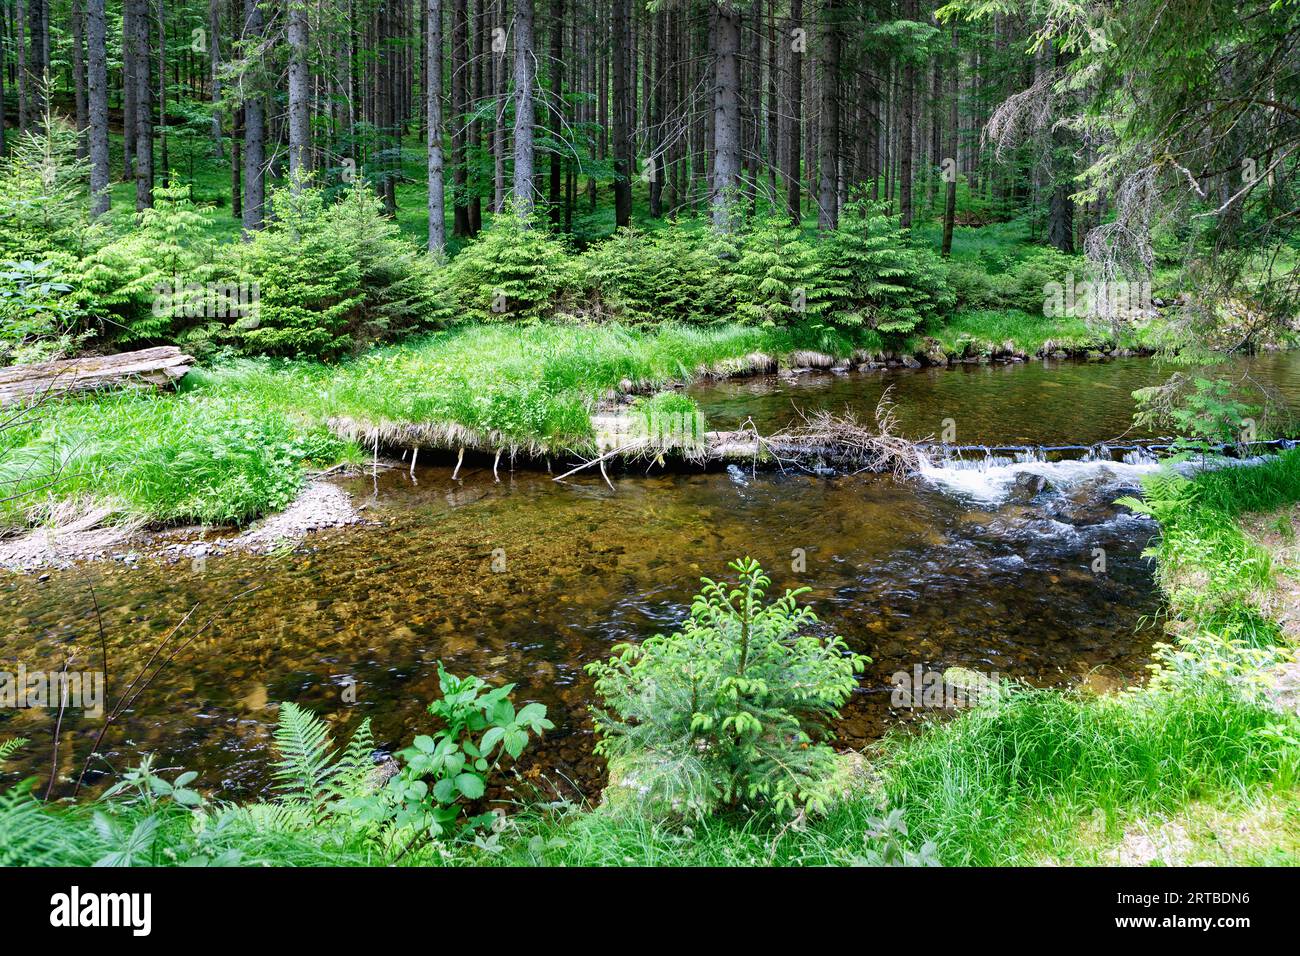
[
  {"x": 873, "y": 276},
  {"x": 197, "y": 457},
  {"x": 729, "y": 710},
  {"x": 132, "y": 278},
  {"x": 649, "y": 277},
  {"x": 447, "y": 771},
  {"x": 37, "y": 314},
  {"x": 331, "y": 274},
  {"x": 332, "y": 807},
  {"x": 1213, "y": 573},
  {"x": 516, "y": 270},
  {"x": 332, "y": 277}
]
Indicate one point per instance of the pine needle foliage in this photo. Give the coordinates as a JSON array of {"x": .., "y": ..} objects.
[
  {"x": 516, "y": 270},
  {"x": 43, "y": 194},
  {"x": 776, "y": 277},
  {"x": 875, "y": 278},
  {"x": 332, "y": 277},
  {"x": 732, "y": 709},
  {"x": 640, "y": 277}
]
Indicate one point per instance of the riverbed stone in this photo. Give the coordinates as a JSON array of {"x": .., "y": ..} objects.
[{"x": 1028, "y": 485}]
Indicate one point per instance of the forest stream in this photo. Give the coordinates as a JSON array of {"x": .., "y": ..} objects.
[{"x": 1026, "y": 569}]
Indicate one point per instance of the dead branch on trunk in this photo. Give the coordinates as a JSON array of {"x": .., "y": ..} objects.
[{"x": 843, "y": 441}]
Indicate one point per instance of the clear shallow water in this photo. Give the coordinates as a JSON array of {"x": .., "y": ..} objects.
[
  {"x": 1039, "y": 402},
  {"x": 954, "y": 568}
]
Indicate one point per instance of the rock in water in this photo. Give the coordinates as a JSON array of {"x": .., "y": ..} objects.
[{"x": 1027, "y": 486}]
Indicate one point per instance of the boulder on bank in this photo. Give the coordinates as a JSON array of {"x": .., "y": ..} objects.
[{"x": 934, "y": 353}]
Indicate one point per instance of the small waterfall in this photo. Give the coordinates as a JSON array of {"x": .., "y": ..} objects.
[
  {"x": 1139, "y": 456},
  {"x": 992, "y": 474}
]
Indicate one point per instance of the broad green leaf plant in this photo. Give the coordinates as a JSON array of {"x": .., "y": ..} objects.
[{"x": 444, "y": 772}]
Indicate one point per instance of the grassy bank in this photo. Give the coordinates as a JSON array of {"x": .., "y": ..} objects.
[
  {"x": 1046, "y": 776},
  {"x": 1004, "y": 331},
  {"x": 237, "y": 440}
]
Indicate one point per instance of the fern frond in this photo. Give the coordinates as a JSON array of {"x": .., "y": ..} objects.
[
  {"x": 10, "y": 747},
  {"x": 32, "y": 836},
  {"x": 354, "y": 773},
  {"x": 304, "y": 769}
]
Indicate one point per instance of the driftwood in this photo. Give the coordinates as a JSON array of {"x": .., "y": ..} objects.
[
  {"x": 157, "y": 367},
  {"x": 820, "y": 443}
]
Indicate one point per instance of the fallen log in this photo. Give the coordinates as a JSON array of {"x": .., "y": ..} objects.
[{"x": 159, "y": 367}]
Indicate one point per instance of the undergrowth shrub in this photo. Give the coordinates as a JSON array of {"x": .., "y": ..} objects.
[
  {"x": 731, "y": 709},
  {"x": 331, "y": 278},
  {"x": 38, "y": 314},
  {"x": 876, "y": 279},
  {"x": 1010, "y": 279},
  {"x": 130, "y": 275},
  {"x": 775, "y": 277},
  {"x": 515, "y": 270},
  {"x": 445, "y": 774},
  {"x": 43, "y": 209},
  {"x": 640, "y": 277}
]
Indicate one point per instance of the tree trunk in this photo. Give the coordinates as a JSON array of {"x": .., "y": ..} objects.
[
  {"x": 658, "y": 168},
  {"x": 1060, "y": 218},
  {"x": 433, "y": 123},
  {"x": 143, "y": 106},
  {"x": 499, "y": 95},
  {"x": 97, "y": 105},
  {"x": 459, "y": 110},
  {"x": 299, "y": 114},
  {"x": 20, "y": 41},
  {"x": 38, "y": 59},
  {"x": 726, "y": 114},
  {"x": 254, "y": 131},
  {"x": 477, "y": 98},
  {"x": 828, "y": 121},
  {"x": 165, "y": 163},
  {"x": 906, "y": 132},
  {"x": 214, "y": 72},
  {"x": 558, "y": 133},
  {"x": 795, "y": 42},
  {"x": 622, "y": 135},
  {"x": 524, "y": 76},
  {"x": 754, "y": 102},
  {"x": 950, "y": 161},
  {"x": 79, "y": 78},
  {"x": 128, "y": 91},
  {"x": 1060, "y": 205}
]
